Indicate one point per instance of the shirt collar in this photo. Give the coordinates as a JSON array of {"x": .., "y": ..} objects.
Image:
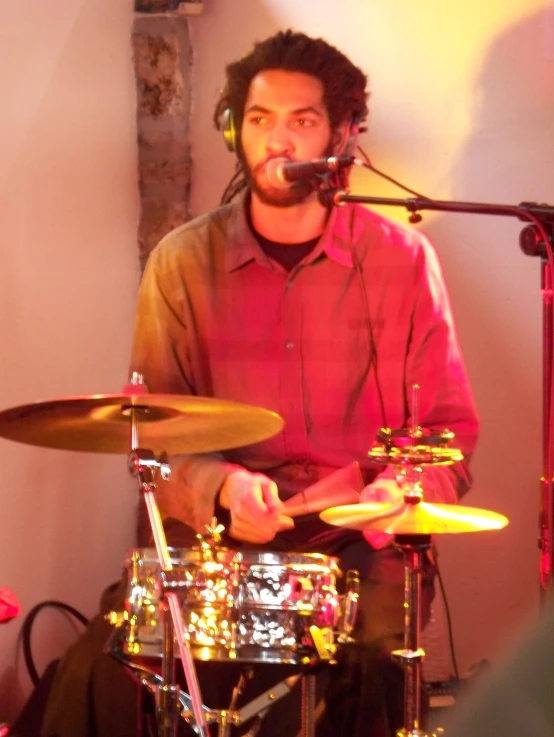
[
  {"x": 336, "y": 240},
  {"x": 242, "y": 247}
]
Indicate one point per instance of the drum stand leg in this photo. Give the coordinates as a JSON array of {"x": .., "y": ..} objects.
[
  {"x": 411, "y": 656},
  {"x": 308, "y": 704},
  {"x": 144, "y": 465}
]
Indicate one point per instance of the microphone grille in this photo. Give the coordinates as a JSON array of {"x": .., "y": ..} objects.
[{"x": 274, "y": 173}]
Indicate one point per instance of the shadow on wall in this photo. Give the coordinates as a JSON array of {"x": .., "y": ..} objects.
[{"x": 495, "y": 291}]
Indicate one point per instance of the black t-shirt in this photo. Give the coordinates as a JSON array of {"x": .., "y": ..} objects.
[{"x": 288, "y": 255}]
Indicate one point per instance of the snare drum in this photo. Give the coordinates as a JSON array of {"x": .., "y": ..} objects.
[{"x": 252, "y": 606}]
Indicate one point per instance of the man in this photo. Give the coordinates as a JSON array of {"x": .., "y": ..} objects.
[{"x": 328, "y": 317}]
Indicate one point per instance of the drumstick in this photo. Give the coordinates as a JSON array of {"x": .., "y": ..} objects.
[{"x": 341, "y": 487}]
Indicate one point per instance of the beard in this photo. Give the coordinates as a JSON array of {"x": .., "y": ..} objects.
[{"x": 289, "y": 196}]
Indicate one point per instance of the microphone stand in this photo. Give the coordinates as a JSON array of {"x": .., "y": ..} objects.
[{"x": 535, "y": 240}]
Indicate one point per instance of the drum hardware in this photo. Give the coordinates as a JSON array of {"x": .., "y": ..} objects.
[
  {"x": 169, "y": 424},
  {"x": 349, "y": 607},
  {"x": 173, "y": 424},
  {"x": 147, "y": 677},
  {"x": 209, "y": 540},
  {"x": 102, "y": 423},
  {"x": 144, "y": 466},
  {"x": 297, "y": 589},
  {"x": 256, "y": 709},
  {"x": 412, "y": 522},
  {"x": 245, "y": 606}
]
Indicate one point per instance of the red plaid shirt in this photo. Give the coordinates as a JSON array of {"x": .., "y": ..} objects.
[{"x": 365, "y": 311}]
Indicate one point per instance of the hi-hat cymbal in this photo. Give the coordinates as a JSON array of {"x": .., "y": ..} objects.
[
  {"x": 168, "y": 423},
  {"x": 420, "y": 518}
]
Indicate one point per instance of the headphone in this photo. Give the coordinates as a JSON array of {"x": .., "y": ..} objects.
[
  {"x": 231, "y": 133},
  {"x": 229, "y": 130}
]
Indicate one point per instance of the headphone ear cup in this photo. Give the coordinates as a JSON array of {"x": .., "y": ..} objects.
[{"x": 229, "y": 130}]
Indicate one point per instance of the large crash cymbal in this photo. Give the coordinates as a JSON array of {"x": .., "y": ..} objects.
[
  {"x": 101, "y": 423},
  {"x": 420, "y": 518}
]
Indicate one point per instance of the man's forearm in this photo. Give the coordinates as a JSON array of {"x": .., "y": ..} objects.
[{"x": 191, "y": 491}]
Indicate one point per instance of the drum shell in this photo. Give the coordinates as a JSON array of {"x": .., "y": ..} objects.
[{"x": 254, "y": 606}]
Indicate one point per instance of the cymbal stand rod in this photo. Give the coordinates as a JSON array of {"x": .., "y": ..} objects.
[
  {"x": 134, "y": 430},
  {"x": 144, "y": 465},
  {"x": 167, "y": 707},
  {"x": 188, "y": 664},
  {"x": 411, "y": 656}
]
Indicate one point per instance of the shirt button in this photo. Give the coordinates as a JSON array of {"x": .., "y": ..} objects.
[
  {"x": 289, "y": 285},
  {"x": 290, "y": 345}
]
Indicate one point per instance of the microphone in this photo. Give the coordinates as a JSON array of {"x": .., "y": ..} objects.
[{"x": 282, "y": 172}]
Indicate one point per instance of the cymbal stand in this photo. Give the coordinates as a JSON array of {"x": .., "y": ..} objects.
[
  {"x": 411, "y": 656},
  {"x": 408, "y": 450},
  {"x": 144, "y": 465}
]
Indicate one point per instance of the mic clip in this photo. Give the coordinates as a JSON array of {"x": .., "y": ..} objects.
[{"x": 330, "y": 185}]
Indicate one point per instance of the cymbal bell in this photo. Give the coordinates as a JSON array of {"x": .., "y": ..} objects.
[
  {"x": 101, "y": 423},
  {"x": 419, "y": 518}
]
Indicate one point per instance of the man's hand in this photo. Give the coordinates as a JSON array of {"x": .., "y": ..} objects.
[
  {"x": 257, "y": 513},
  {"x": 385, "y": 491}
]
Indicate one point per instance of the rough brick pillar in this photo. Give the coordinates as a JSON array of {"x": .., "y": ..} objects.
[{"x": 162, "y": 56}]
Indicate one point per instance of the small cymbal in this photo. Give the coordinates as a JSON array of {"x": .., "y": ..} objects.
[
  {"x": 414, "y": 447},
  {"x": 168, "y": 423},
  {"x": 420, "y": 518}
]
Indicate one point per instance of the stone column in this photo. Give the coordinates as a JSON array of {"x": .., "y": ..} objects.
[{"x": 162, "y": 56}]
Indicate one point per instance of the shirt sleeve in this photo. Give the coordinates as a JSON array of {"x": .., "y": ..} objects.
[
  {"x": 160, "y": 353},
  {"x": 435, "y": 364}
]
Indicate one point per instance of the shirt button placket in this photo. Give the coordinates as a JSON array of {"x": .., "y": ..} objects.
[
  {"x": 289, "y": 344},
  {"x": 292, "y": 369}
]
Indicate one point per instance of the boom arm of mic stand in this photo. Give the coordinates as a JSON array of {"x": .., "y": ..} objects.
[{"x": 524, "y": 211}]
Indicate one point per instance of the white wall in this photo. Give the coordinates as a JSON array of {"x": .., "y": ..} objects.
[
  {"x": 462, "y": 108},
  {"x": 69, "y": 267}
]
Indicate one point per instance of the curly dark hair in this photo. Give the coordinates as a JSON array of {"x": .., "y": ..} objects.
[{"x": 344, "y": 85}]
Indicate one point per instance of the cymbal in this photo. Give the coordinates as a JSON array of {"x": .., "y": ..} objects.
[
  {"x": 421, "y": 518},
  {"x": 414, "y": 447},
  {"x": 101, "y": 423}
]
